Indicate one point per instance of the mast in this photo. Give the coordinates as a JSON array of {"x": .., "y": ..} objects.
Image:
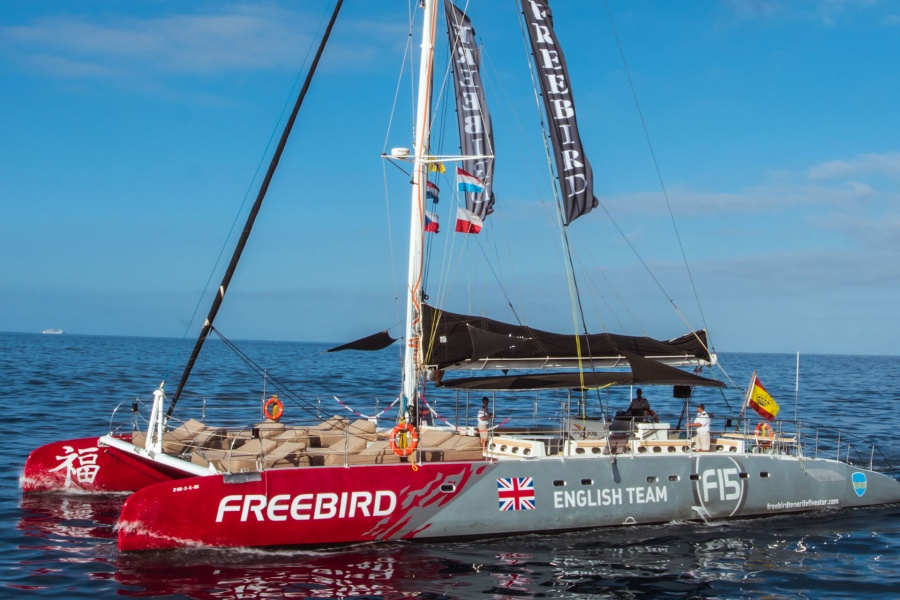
[
  {"x": 251, "y": 218},
  {"x": 412, "y": 357}
]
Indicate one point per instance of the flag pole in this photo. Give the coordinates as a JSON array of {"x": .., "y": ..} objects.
[
  {"x": 797, "y": 388},
  {"x": 746, "y": 399}
]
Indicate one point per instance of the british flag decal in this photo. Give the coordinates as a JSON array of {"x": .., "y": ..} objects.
[{"x": 516, "y": 493}]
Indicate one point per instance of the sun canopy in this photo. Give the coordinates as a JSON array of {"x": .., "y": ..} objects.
[{"x": 456, "y": 341}]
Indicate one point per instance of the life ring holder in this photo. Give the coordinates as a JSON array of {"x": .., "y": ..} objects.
[
  {"x": 404, "y": 439},
  {"x": 273, "y": 409},
  {"x": 763, "y": 430}
]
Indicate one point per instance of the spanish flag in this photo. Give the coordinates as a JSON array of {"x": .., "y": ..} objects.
[{"x": 760, "y": 400}]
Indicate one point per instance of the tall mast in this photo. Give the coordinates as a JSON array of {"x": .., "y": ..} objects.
[{"x": 412, "y": 358}]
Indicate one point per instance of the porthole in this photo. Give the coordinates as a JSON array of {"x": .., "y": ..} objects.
[
  {"x": 587, "y": 482},
  {"x": 559, "y": 483},
  {"x": 652, "y": 479},
  {"x": 743, "y": 475},
  {"x": 764, "y": 474},
  {"x": 674, "y": 478},
  {"x": 695, "y": 477},
  {"x": 448, "y": 487}
]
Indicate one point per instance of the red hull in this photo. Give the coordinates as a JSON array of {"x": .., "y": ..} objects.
[
  {"x": 306, "y": 506},
  {"x": 84, "y": 465}
]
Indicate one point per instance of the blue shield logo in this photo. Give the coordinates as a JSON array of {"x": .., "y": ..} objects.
[{"x": 859, "y": 483}]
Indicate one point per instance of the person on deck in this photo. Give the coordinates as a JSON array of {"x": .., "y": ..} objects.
[
  {"x": 702, "y": 425},
  {"x": 639, "y": 409},
  {"x": 484, "y": 421}
]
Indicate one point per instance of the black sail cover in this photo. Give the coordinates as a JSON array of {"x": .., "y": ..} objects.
[
  {"x": 476, "y": 136},
  {"x": 576, "y": 178},
  {"x": 643, "y": 371},
  {"x": 456, "y": 341}
]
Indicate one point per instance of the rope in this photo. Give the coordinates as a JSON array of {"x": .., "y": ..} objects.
[{"x": 375, "y": 416}]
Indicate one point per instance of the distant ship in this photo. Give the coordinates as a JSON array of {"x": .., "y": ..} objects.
[{"x": 53, "y": 331}]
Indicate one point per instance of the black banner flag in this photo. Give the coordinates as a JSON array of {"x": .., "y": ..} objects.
[{"x": 576, "y": 178}]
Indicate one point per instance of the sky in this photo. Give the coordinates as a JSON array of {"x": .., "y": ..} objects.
[{"x": 746, "y": 155}]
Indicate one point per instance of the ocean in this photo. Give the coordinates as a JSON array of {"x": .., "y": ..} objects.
[{"x": 56, "y": 387}]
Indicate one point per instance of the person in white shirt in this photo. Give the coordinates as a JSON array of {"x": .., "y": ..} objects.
[
  {"x": 702, "y": 425},
  {"x": 484, "y": 421}
]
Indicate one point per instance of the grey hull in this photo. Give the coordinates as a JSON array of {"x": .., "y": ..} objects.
[{"x": 575, "y": 493}]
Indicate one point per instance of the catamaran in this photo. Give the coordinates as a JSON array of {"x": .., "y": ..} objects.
[{"x": 337, "y": 481}]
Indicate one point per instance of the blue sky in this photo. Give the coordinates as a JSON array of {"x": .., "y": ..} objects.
[{"x": 131, "y": 132}]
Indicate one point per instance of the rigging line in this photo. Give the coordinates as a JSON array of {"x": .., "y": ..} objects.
[
  {"x": 577, "y": 308},
  {"x": 655, "y": 163},
  {"x": 441, "y": 110},
  {"x": 580, "y": 306},
  {"x": 259, "y": 370},
  {"x": 499, "y": 281},
  {"x": 390, "y": 232},
  {"x": 243, "y": 203},
  {"x": 407, "y": 53},
  {"x": 586, "y": 249},
  {"x": 554, "y": 216},
  {"x": 248, "y": 226}
]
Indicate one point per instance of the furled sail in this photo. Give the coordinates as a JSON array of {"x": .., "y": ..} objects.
[
  {"x": 576, "y": 178},
  {"x": 476, "y": 136},
  {"x": 370, "y": 343},
  {"x": 456, "y": 341}
]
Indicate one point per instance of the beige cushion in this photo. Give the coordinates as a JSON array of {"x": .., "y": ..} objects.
[
  {"x": 462, "y": 442},
  {"x": 188, "y": 429},
  {"x": 255, "y": 447},
  {"x": 294, "y": 434},
  {"x": 269, "y": 428},
  {"x": 210, "y": 438},
  {"x": 431, "y": 438},
  {"x": 376, "y": 448},
  {"x": 363, "y": 428},
  {"x": 176, "y": 441},
  {"x": 324, "y": 438},
  {"x": 286, "y": 454},
  {"x": 334, "y": 422}
]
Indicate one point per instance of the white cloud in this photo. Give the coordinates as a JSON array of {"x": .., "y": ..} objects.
[
  {"x": 245, "y": 38},
  {"x": 828, "y": 12},
  {"x": 863, "y": 164},
  {"x": 850, "y": 184}
]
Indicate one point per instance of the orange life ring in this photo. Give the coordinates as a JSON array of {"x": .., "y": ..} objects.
[
  {"x": 763, "y": 429},
  {"x": 404, "y": 439},
  {"x": 274, "y": 408}
]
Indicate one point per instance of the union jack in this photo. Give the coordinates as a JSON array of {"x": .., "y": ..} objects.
[{"x": 516, "y": 493}]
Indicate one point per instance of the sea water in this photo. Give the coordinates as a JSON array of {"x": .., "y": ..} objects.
[{"x": 64, "y": 546}]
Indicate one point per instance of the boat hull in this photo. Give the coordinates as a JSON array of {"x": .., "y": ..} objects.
[
  {"x": 339, "y": 505},
  {"x": 87, "y": 465}
]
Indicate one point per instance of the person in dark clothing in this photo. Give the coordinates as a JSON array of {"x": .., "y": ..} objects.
[{"x": 639, "y": 409}]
